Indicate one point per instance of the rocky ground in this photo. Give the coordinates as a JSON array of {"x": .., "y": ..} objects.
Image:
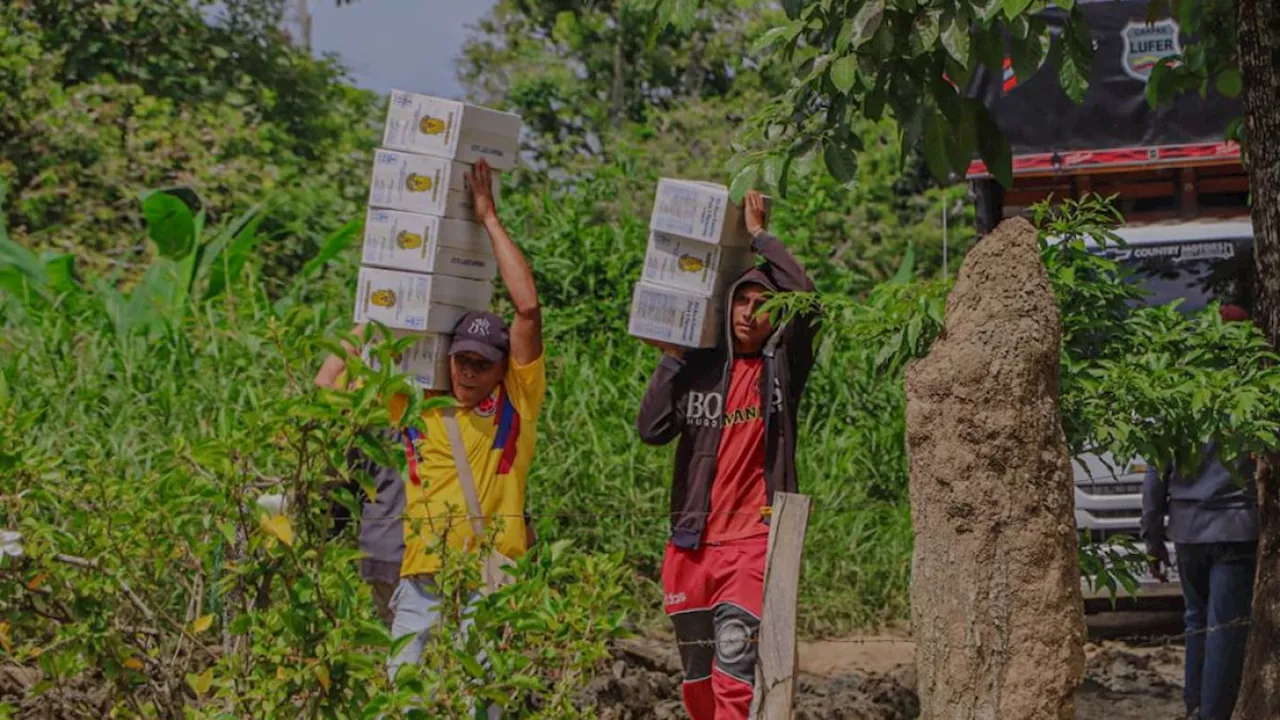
[{"x": 874, "y": 679}]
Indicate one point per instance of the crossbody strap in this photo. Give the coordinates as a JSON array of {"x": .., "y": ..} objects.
[{"x": 463, "y": 464}]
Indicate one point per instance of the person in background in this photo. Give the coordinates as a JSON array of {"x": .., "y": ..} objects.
[
  {"x": 498, "y": 378},
  {"x": 734, "y": 410},
  {"x": 1213, "y": 523}
]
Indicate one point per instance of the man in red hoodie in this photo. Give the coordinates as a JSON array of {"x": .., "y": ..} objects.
[{"x": 734, "y": 410}]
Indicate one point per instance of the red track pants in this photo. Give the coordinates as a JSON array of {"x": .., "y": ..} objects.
[{"x": 714, "y": 596}]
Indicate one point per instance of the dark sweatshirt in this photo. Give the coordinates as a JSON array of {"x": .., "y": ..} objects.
[
  {"x": 685, "y": 398},
  {"x": 1210, "y": 505}
]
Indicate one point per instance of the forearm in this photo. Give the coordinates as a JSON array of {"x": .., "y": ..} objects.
[
  {"x": 513, "y": 267},
  {"x": 1154, "y": 505},
  {"x": 659, "y": 420},
  {"x": 789, "y": 274}
]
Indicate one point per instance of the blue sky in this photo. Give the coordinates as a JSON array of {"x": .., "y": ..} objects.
[{"x": 405, "y": 44}]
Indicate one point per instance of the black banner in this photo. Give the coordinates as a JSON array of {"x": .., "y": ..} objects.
[{"x": 1038, "y": 117}]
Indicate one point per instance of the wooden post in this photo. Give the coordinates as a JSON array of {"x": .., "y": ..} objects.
[{"x": 776, "y": 669}]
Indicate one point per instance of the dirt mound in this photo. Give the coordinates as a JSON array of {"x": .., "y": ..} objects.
[{"x": 995, "y": 589}]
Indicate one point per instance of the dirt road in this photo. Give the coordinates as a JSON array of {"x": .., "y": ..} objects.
[{"x": 873, "y": 678}]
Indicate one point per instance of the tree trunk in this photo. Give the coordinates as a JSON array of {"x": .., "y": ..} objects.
[
  {"x": 1258, "y": 28},
  {"x": 995, "y": 586}
]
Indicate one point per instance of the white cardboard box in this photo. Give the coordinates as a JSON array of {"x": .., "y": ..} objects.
[
  {"x": 676, "y": 317},
  {"x": 453, "y": 130},
  {"x": 699, "y": 211},
  {"x": 422, "y": 184},
  {"x": 696, "y": 267},
  {"x": 426, "y": 361},
  {"x": 410, "y": 301},
  {"x": 398, "y": 240}
]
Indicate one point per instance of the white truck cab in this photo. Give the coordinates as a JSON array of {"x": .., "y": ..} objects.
[{"x": 1198, "y": 262}]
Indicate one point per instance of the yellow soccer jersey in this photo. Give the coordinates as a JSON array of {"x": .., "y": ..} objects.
[{"x": 499, "y": 435}]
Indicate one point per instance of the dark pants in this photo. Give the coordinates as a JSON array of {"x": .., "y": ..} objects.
[{"x": 1217, "y": 584}]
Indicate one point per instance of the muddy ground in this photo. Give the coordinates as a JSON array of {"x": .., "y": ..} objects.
[{"x": 874, "y": 679}]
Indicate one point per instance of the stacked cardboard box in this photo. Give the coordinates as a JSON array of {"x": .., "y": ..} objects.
[
  {"x": 426, "y": 261},
  {"x": 698, "y": 245}
]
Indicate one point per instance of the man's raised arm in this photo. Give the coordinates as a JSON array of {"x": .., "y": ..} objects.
[{"x": 526, "y": 329}]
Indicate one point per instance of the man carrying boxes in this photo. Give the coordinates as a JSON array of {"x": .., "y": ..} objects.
[
  {"x": 433, "y": 244},
  {"x": 497, "y": 376},
  {"x": 732, "y": 402}
]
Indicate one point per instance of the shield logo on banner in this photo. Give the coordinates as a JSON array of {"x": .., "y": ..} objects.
[{"x": 1147, "y": 45}]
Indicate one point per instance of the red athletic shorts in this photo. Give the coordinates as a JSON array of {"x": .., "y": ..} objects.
[{"x": 714, "y": 596}]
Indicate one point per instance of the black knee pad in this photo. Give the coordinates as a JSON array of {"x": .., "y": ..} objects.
[{"x": 737, "y": 641}]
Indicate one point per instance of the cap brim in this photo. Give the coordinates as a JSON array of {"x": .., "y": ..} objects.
[{"x": 484, "y": 350}]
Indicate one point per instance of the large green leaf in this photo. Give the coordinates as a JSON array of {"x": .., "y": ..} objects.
[
  {"x": 844, "y": 72},
  {"x": 743, "y": 181},
  {"x": 963, "y": 139},
  {"x": 1229, "y": 82},
  {"x": 926, "y": 29},
  {"x": 935, "y": 146},
  {"x": 60, "y": 272},
  {"x": 170, "y": 224},
  {"x": 994, "y": 146},
  {"x": 1073, "y": 54},
  {"x": 840, "y": 161},
  {"x": 955, "y": 37},
  {"x": 22, "y": 260},
  {"x": 866, "y": 22},
  {"x": 1015, "y": 8}
]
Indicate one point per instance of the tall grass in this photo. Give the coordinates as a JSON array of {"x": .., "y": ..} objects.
[{"x": 112, "y": 409}]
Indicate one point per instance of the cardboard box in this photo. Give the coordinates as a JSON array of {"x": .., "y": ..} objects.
[
  {"x": 422, "y": 184},
  {"x": 695, "y": 267},
  {"x": 398, "y": 240},
  {"x": 675, "y": 317},
  {"x": 453, "y": 130},
  {"x": 410, "y": 301},
  {"x": 699, "y": 211},
  {"x": 426, "y": 361}
]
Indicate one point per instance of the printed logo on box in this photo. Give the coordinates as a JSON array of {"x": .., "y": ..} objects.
[
  {"x": 691, "y": 263},
  {"x": 383, "y": 298},
  {"x": 432, "y": 125},
  {"x": 406, "y": 240},
  {"x": 418, "y": 183}
]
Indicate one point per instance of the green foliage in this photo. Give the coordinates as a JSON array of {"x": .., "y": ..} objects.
[
  {"x": 866, "y": 58},
  {"x": 95, "y": 115},
  {"x": 149, "y": 571},
  {"x": 579, "y": 71},
  {"x": 1209, "y": 63}
]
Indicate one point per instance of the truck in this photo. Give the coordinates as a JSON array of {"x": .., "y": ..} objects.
[{"x": 1178, "y": 183}]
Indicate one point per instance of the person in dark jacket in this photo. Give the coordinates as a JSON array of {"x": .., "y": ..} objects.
[
  {"x": 733, "y": 409},
  {"x": 1213, "y": 523}
]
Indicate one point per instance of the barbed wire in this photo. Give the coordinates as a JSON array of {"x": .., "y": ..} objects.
[{"x": 1128, "y": 639}]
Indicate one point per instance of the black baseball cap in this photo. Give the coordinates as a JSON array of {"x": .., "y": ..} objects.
[{"x": 482, "y": 333}]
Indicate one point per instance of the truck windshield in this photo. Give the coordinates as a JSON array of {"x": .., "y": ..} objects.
[{"x": 1198, "y": 272}]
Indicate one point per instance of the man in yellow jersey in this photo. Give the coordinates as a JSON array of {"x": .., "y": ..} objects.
[{"x": 499, "y": 381}]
